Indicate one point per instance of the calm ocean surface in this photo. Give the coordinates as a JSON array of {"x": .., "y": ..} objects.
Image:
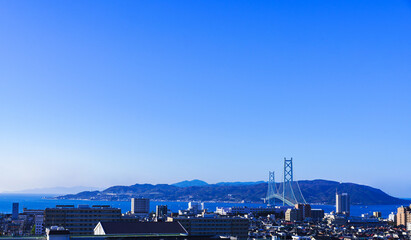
[{"x": 41, "y": 202}]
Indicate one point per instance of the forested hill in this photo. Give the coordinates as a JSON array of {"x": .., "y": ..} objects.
[{"x": 314, "y": 191}]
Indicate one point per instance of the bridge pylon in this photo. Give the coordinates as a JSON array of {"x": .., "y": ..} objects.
[
  {"x": 271, "y": 190},
  {"x": 288, "y": 192}
]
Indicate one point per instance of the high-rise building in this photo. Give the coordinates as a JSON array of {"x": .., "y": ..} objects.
[
  {"x": 291, "y": 215},
  {"x": 376, "y": 214},
  {"x": 392, "y": 217},
  {"x": 161, "y": 211},
  {"x": 195, "y": 207},
  {"x": 342, "y": 203},
  {"x": 15, "y": 211},
  {"x": 80, "y": 220},
  {"x": 140, "y": 206},
  {"x": 317, "y": 214},
  {"x": 303, "y": 210},
  {"x": 299, "y": 213},
  {"x": 403, "y": 215}
]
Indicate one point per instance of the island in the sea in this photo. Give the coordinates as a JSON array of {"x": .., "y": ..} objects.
[{"x": 314, "y": 191}]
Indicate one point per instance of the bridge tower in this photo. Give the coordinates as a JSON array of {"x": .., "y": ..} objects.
[
  {"x": 288, "y": 191},
  {"x": 288, "y": 180},
  {"x": 291, "y": 190},
  {"x": 270, "y": 190}
]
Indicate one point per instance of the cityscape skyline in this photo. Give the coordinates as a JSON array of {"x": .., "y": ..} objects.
[{"x": 117, "y": 93}]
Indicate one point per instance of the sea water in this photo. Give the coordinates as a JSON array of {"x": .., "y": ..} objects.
[{"x": 36, "y": 201}]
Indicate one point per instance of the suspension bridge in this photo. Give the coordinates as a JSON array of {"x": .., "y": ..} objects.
[{"x": 288, "y": 192}]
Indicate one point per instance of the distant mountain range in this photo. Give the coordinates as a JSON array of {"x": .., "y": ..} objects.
[
  {"x": 314, "y": 191},
  {"x": 56, "y": 190},
  {"x": 197, "y": 182},
  {"x": 191, "y": 183}
]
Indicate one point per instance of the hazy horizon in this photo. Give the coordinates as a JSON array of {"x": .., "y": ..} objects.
[{"x": 103, "y": 93}]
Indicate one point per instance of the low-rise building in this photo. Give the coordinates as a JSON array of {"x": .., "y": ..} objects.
[
  {"x": 35, "y": 217},
  {"x": 33, "y": 211},
  {"x": 80, "y": 220},
  {"x": 38, "y": 224},
  {"x": 140, "y": 228},
  {"x": 214, "y": 226},
  {"x": 336, "y": 219},
  {"x": 247, "y": 210}
]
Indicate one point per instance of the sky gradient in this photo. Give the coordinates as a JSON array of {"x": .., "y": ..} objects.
[{"x": 101, "y": 93}]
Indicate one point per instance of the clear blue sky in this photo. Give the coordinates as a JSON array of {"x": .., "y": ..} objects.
[{"x": 100, "y": 93}]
